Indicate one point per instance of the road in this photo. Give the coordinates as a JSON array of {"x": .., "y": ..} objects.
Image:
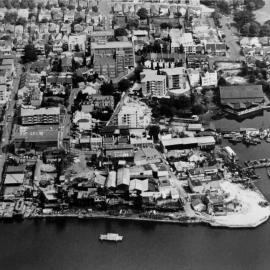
[
  {"x": 231, "y": 39},
  {"x": 7, "y": 127}
]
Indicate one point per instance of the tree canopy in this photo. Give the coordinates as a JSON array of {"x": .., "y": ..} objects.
[
  {"x": 119, "y": 32},
  {"x": 30, "y": 53},
  {"x": 223, "y": 7},
  {"x": 107, "y": 89},
  {"x": 123, "y": 85},
  {"x": 142, "y": 13}
]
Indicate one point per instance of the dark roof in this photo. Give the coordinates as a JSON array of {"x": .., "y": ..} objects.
[{"x": 241, "y": 92}]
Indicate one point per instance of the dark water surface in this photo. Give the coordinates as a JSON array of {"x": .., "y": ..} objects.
[{"x": 74, "y": 245}]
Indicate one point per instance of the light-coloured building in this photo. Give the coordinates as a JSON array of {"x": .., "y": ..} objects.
[
  {"x": 209, "y": 79},
  {"x": 111, "y": 48},
  {"x": 133, "y": 114},
  {"x": 31, "y": 116},
  {"x": 75, "y": 40},
  {"x": 153, "y": 84},
  {"x": 176, "y": 80},
  {"x": 194, "y": 77}
]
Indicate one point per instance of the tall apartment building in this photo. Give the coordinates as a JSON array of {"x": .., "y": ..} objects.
[
  {"x": 153, "y": 84},
  {"x": 40, "y": 116},
  {"x": 111, "y": 48}
]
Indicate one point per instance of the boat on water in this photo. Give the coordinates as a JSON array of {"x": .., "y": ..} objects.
[{"x": 115, "y": 237}]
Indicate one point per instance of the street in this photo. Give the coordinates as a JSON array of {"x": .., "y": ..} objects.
[
  {"x": 231, "y": 39},
  {"x": 7, "y": 127}
]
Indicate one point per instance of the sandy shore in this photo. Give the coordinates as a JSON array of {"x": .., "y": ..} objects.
[{"x": 250, "y": 215}]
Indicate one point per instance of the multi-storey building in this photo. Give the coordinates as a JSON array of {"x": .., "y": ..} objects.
[
  {"x": 98, "y": 102},
  {"x": 153, "y": 84},
  {"x": 40, "y": 116},
  {"x": 134, "y": 114},
  {"x": 105, "y": 66},
  {"x": 110, "y": 48},
  {"x": 176, "y": 78}
]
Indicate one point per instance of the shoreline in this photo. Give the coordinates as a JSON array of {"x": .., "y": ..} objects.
[{"x": 185, "y": 220}]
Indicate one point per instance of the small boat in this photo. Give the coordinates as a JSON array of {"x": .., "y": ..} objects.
[{"x": 111, "y": 237}]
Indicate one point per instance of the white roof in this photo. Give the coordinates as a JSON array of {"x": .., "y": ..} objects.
[
  {"x": 14, "y": 179},
  {"x": 141, "y": 185},
  {"x": 112, "y": 44},
  {"x": 153, "y": 77},
  {"x": 173, "y": 71},
  {"x": 123, "y": 176},
  {"x": 189, "y": 140},
  {"x": 41, "y": 111},
  {"x": 111, "y": 180}
]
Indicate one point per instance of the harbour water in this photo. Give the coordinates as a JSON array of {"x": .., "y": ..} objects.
[
  {"x": 263, "y": 14},
  {"x": 73, "y": 244}
]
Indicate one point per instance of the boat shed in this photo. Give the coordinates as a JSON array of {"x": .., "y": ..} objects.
[
  {"x": 123, "y": 177},
  {"x": 189, "y": 142}
]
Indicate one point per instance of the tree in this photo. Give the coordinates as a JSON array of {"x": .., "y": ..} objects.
[
  {"x": 107, "y": 89},
  {"x": 79, "y": 8},
  {"x": 242, "y": 17},
  {"x": 222, "y": 82},
  {"x": 165, "y": 25},
  {"x": 15, "y": 3},
  {"x": 223, "y": 6},
  {"x": 123, "y": 85},
  {"x": 21, "y": 21},
  {"x": 30, "y": 53},
  {"x": 265, "y": 30},
  {"x": 154, "y": 132},
  {"x": 65, "y": 47},
  {"x": 254, "y": 29},
  {"x": 142, "y": 13},
  {"x": 7, "y": 4},
  {"x": 132, "y": 23},
  {"x": 11, "y": 17},
  {"x": 120, "y": 32},
  {"x": 181, "y": 49},
  {"x": 77, "y": 48},
  {"x": 199, "y": 109},
  {"x": 31, "y": 4},
  {"x": 95, "y": 9}
]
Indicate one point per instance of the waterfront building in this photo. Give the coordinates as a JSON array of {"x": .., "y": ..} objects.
[{"x": 242, "y": 99}]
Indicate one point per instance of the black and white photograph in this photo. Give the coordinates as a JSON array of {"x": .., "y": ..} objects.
[{"x": 134, "y": 134}]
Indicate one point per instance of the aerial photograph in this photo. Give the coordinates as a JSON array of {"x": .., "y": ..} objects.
[{"x": 134, "y": 134}]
